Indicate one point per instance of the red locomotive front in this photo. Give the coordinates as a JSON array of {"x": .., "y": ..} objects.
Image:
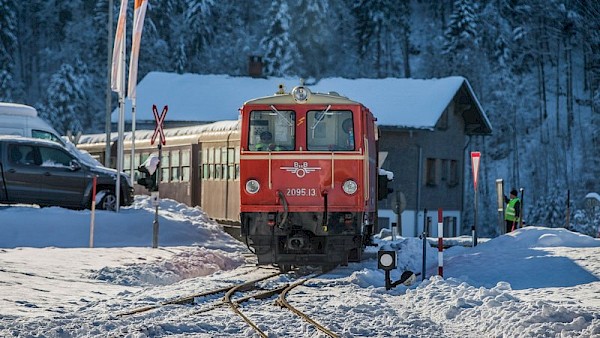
[{"x": 308, "y": 178}]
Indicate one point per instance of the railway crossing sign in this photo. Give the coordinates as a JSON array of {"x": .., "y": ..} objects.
[
  {"x": 475, "y": 157},
  {"x": 159, "y": 125}
]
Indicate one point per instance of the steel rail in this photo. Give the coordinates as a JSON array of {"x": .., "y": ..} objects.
[
  {"x": 234, "y": 304},
  {"x": 281, "y": 301},
  {"x": 188, "y": 299}
]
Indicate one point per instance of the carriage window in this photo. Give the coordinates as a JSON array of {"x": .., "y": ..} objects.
[
  {"x": 185, "y": 174},
  {"x": 217, "y": 155},
  {"x": 185, "y": 165},
  {"x": 175, "y": 173},
  {"x": 175, "y": 158},
  {"x": 204, "y": 163},
  {"x": 164, "y": 174},
  {"x": 330, "y": 130},
  {"x": 205, "y": 171},
  {"x": 230, "y": 163},
  {"x": 205, "y": 155},
  {"x": 272, "y": 130},
  {"x": 127, "y": 163},
  {"x": 211, "y": 155}
]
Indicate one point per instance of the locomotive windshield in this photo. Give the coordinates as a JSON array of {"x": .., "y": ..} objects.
[
  {"x": 272, "y": 130},
  {"x": 330, "y": 130}
]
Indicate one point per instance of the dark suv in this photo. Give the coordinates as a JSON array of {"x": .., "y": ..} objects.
[{"x": 34, "y": 171}]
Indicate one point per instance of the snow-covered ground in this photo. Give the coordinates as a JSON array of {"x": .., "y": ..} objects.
[{"x": 535, "y": 282}]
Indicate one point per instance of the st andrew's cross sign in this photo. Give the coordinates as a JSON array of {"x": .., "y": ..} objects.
[{"x": 159, "y": 125}]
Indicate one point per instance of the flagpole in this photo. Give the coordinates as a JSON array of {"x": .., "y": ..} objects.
[
  {"x": 132, "y": 97},
  {"x": 107, "y": 125},
  {"x": 132, "y": 138},
  {"x": 117, "y": 84},
  {"x": 136, "y": 36},
  {"x": 121, "y": 126}
]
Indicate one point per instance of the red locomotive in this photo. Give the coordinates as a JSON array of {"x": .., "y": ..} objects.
[{"x": 308, "y": 178}]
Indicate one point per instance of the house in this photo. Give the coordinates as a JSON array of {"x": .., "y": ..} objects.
[{"x": 425, "y": 128}]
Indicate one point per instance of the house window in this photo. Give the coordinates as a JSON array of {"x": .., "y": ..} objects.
[
  {"x": 445, "y": 169},
  {"x": 453, "y": 173},
  {"x": 430, "y": 172}
]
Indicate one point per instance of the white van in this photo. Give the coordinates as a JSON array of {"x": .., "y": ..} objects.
[{"x": 19, "y": 119}]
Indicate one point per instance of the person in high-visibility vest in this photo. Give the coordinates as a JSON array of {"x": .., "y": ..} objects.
[{"x": 512, "y": 212}]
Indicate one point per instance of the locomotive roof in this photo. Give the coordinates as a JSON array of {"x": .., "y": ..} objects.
[{"x": 315, "y": 98}]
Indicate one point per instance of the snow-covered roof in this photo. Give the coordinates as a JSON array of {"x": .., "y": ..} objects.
[
  {"x": 226, "y": 125},
  {"x": 410, "y": 103},
  {"x": 17, "y": 109}
]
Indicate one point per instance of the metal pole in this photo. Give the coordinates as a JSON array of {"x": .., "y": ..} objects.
[
  {"x": 419, "y": 180},
  {"x": 568, "y": 225},
  {"x": 500, "y": 202},
  {"x": 424, "y": 244},
  {"x": 158, "y": 178},
  {"x": 121, "y": 147},
  {"x": 475, "y": 220},
  {"x": 133, "y": 107},
  {"x": 440, "y": 243},
  {"x": 93, "y": 210},
  {"x": 107, "y": 126}
]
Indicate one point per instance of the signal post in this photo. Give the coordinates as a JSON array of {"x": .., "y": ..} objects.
[{"x": 152, "y": 179}]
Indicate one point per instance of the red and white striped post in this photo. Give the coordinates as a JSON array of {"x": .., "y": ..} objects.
[
  {"x": 440, "y": 244},
  {"x": 93, "y": 210}
]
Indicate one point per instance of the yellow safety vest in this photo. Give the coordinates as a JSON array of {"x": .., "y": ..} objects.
[{"x": 510, "y": 213}]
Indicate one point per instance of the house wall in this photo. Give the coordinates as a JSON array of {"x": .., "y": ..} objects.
[{"x": 425, "y": 187}]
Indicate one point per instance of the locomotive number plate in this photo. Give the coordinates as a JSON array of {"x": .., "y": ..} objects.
[{"x": 301, "y": 192}]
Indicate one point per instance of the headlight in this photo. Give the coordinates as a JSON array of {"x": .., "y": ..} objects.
[
  {"x": 301, "y": 94},
  {"x": 252, "y": 186},
  {"x": 350, "y": 187}
]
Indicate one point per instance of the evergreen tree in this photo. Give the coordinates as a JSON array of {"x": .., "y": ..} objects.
[
  {"x": 382, "y": 28},
  {"x": 200, "y": 30},
  {"x": 234, "y": 40},
  {"x": 277, "y": 44},
  {"x": 462, "y": 27},
  {"x": 180, "y": 57},
  {"x": 8, "y": 46},
  {"x": 65, "y": 106},
  {"x": 313, "y": 36}
]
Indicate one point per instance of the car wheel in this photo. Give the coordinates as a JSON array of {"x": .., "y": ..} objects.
[{"x": 109, "y": 201}]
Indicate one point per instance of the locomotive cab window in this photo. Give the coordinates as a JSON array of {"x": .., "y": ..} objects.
[
  {"x": 330, "y": 130},
  {"x": 272, "y": 130}
]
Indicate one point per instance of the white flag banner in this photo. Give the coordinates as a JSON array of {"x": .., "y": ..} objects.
[
  {"x": 117, "y": 72},
  {"x": 138, "y": 26}
]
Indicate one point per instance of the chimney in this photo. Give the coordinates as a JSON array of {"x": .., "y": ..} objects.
[{"x": 255, "y": 66}]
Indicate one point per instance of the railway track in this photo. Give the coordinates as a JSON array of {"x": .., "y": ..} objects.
[
  {"x": 244, "y": 292},
  {"x": 282, "y": 290}
]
